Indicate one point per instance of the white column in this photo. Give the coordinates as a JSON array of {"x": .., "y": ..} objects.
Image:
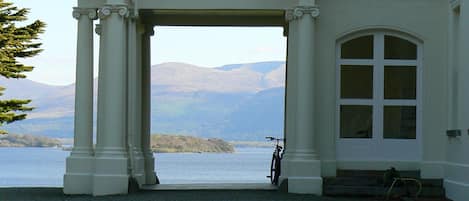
[
  {"x": 134, "y": 104},
  {"x": 79, "y": 165},
  {"x": 150, "y": 174},
  {"x": 111, "y": 162},
  {"x": 302, "y": 166},
  {"x": 463, "y": 65},
  {"x": 290, "y": 102}
]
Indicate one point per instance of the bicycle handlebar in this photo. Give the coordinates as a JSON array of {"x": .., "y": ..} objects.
[{"x": 273, "y": 138}]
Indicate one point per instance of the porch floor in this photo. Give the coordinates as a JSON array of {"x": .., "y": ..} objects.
[
  {"x": 219, "y": 186},
  {"x": 56, "y": 194}
]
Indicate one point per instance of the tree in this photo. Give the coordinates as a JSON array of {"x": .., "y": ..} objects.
[{"x": 16, "y": 42}]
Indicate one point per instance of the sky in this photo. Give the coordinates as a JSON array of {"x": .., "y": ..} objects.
[{"x": 201, "y": 46}]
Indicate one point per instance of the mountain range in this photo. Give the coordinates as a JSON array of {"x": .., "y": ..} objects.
[{"x": 232, "y": 102}]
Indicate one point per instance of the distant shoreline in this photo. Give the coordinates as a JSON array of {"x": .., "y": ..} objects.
[
  {"x": 17, "y": 140},
  {"x": 160, "y": 143}
]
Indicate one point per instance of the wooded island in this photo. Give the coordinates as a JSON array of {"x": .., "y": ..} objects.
[{"x": 159, "y": 143}]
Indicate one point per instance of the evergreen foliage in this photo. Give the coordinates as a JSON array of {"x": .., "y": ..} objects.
[{"x": 16, "y": 42}]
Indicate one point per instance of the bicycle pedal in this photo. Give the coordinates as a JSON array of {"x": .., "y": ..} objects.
[{"x": 268, "y": 176}]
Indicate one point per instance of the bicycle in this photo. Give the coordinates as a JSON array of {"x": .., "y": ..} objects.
[{"x": 275, "y": 168}]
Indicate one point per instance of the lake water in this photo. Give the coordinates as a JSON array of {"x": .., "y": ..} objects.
[{"x": 46, "y": 166}]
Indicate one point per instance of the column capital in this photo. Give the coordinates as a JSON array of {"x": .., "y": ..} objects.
[
  {"x": 299, "y": 11},
  {"x": 78, "y": 12},
  {"x": 107, "y": 10}
]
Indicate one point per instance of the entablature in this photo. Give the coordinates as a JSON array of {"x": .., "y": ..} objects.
[
  {"x": 201, "y": 4},
  {"x": 213, "y": 17}
]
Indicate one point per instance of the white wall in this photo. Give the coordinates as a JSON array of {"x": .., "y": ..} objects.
[
  {"x": 423, "y": 19},
  {"x": 456, "y": 179}
]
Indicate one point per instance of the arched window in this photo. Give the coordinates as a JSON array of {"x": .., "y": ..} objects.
[{"x": 378, "y": 96}]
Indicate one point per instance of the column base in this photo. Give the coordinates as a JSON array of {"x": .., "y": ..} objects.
[
  {"x": 151, "y": 178},
  {"x": 302, "y": 168},
  {"x": 140, "y": 178},
  {"x": 111, "y": 175},
  {"x": 139, "y": 168},
  {"x": 328, "y": 168},
  {"x": 303, "y": 176},
  {"x": 110, "y": 184},
  {"x": 79, "y": 174},
  {"x": 77, "y": 184},
  {"x": 305, "y": 185},
  {"x": 150, "y": 175}
]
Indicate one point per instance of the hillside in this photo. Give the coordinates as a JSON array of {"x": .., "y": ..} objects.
[
  {"x": 13, "y": 140},
  {"x": 234, "y": 102},
  {"x": 179, "y": 143}
]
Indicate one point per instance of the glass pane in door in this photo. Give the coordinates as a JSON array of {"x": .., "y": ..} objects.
[
  {"x": 398, "y": 48},
  {"x": 356, "y": 121},
  {"x": 356, "y": 82},
  {"x": 399, "y": 122},
  {"x": 358, "y": 48},
  {"x": 400, "y": 82}
]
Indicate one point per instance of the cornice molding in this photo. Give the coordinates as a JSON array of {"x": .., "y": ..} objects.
[
  {"x": 106, "y": 11},
  {"x": 299, "y": 11},
  {"x": 90, "y": 12}
]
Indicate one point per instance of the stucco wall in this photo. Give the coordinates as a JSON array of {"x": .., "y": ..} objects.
[
  {"x": 456, "y": 179},
  {"x": 423, "y": 19},
  {"x": 457, "y": 153}
]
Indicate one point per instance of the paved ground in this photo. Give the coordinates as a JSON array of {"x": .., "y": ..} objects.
[{"x": 55, "y": 194}]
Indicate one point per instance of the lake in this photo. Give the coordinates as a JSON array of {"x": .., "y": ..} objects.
[{"x": 27, "y": 167}]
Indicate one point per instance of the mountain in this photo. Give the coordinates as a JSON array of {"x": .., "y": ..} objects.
[
  {"x": 249, "y": 78},
  {"x": 232, "y": 102},
  {"x": 15, "y": 88}
]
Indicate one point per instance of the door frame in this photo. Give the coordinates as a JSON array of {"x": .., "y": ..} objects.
[{"x": 376, "y": 149}]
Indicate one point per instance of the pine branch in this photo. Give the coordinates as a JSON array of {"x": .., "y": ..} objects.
[{"x": 16, "y": 42}]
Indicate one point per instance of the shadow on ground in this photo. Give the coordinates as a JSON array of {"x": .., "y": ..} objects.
[{"x": 56, "y": 194}]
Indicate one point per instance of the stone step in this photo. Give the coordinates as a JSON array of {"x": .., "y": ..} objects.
[
  {"x": 432, "y": 182},
  {"x": 339, "y": 190},
  {"x": 373, "y": 181},
  {"x": 353, "y": 181},
  {"x": 376, "y": 173},
  {"x": 426, "y": 199}
]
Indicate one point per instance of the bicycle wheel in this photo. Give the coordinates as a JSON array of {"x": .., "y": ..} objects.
[
  {"x": 276, "y": 173},
  {"x": 272, "y": 169}
]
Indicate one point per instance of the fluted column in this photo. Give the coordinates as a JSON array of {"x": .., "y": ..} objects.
[
  {"x": 79, "y": 165},
  {"x": 111, "y": 162},
  {"x": 150, "y": 174},
  {"x": 302, "y": 167},
  {"x": 134, "y": 103}
]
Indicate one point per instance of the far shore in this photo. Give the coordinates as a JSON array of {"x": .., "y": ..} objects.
[{"x": 160, "y": 143}]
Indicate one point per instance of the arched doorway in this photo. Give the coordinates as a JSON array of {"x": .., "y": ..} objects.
[{"x": 378, "y": 107}]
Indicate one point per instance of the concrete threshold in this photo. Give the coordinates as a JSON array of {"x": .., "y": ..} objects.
[{"x": 212, "y": 186}]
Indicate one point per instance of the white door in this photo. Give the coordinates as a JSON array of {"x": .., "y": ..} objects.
[{"x": 378, "y": 105}]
